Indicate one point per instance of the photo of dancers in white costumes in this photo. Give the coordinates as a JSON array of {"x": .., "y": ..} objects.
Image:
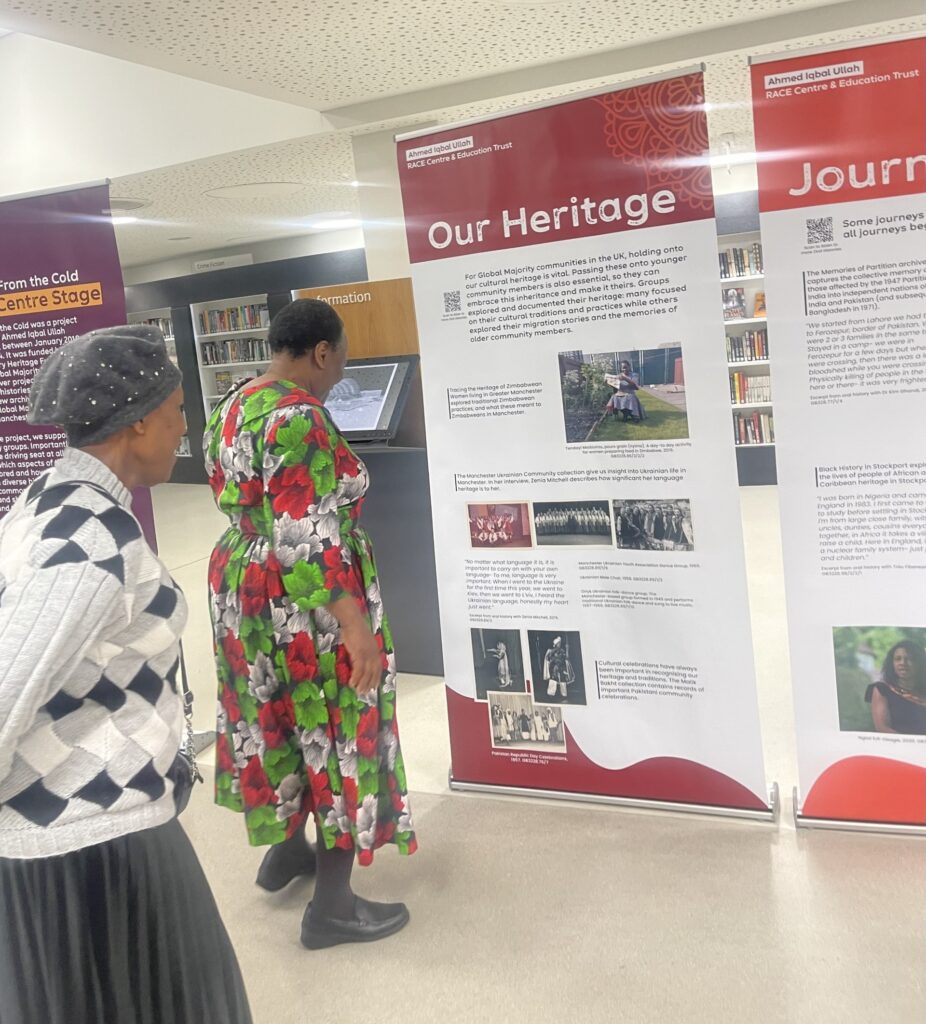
[{"x": 518, "y": 724}]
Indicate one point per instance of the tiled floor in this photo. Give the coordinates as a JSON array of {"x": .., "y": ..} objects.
[{"x": 535, "y": 911}]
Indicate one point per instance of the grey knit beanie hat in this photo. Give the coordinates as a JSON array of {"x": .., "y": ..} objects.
[{"x": 101, "y": 382}]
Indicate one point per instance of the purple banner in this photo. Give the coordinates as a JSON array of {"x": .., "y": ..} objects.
[{"x": 59, "y": 277}]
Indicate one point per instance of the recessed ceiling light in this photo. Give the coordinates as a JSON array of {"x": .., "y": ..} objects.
[
  {"x": 125, "y": 204},
  {"x": 256, "y": 190},
  {"x": 124, "y": 220}
]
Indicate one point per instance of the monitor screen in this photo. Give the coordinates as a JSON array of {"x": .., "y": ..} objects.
[{"x": 367, "y": 404}]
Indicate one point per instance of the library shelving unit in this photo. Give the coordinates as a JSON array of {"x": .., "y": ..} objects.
[
  {"x": 747, "y": 349},
  {"x": 231, "y": 341},
  {"x": 162, "y": 319}
]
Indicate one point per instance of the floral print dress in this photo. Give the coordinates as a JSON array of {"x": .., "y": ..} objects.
[{"x": 293, "y": 738}]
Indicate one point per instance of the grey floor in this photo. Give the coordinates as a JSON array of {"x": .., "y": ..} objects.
[{"x": 534, "y": 911}]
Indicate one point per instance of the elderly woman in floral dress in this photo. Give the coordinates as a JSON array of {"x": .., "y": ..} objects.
[{"x": 307, "y": 724}]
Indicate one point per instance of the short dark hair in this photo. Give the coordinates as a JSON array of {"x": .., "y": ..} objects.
[{"x": 301, "y": 325}]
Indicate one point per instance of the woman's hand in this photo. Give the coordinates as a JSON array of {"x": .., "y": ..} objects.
[{"x": 366, "y": 659}]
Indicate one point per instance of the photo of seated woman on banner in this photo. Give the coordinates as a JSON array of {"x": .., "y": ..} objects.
[
  {"x": 637, "y": 395},
  {"x": 556, "y": 666},
  {"x": 518, "y": 724},
  {"x": 657, "y": 525},
  {"x": 881, "y": 678},
  {"x": 572, "y": 522},
  {"x": 499, "y": 526},
  {"x": 497, "y": 661}
]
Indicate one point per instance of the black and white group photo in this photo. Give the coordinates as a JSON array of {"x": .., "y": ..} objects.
[
  {"x": 572, "y": 522},
  {"x": 517, "y": 724},
  {"x": 497, "y": 661},
  {"x": 657, "y": 525},
  {"x": 556, "y": 666}
]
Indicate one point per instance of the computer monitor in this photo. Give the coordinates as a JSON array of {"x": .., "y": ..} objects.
[{"x": 367, "y": 405}]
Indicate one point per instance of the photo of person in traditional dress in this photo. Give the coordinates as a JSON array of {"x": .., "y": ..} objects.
[
  {"x": 618, "y": 396},
  {"x": 556, "y": 667},
  {"x": 518, "y": 723},
  {"x": 497, "y": 661},
  {"x": 624, "y": 402}
]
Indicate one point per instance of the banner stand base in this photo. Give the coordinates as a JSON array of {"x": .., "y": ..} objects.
[
  {"x": 770, "y": 815},
  {"x": 841, "y": 825}
]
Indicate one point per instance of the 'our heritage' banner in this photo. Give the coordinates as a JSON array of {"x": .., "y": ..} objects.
[
  {"x": 841, "y": 143},
  {"x": 59, "y": 277},
  {"x": 593, "y": 603}
]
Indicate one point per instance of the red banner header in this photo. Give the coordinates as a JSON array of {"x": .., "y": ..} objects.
[
  {"x": 623, "y": 160},
  {"x": 841, "y": 126}
]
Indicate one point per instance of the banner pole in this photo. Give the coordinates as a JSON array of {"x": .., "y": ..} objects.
[
  {"x": 55, "y": 191},
  {"x": 770, "y": 815}
]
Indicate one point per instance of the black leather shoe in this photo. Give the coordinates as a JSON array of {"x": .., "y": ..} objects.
[
  {"x": 283, "y": 863},
  {"x": 371, "y": 921}
]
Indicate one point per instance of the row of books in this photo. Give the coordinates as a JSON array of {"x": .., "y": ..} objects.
[
  {"x": 162, "y": 323},
  {"x": 748, "y": 389},
  {"x": 747, "y": 347},
  {"x": 235, "y": 350},
  {"x": 734, "y": 304},
  {"x": 741, "y": 262},
  {"x": 234, "y": 318},
  {"x": 753, "y": 428}
]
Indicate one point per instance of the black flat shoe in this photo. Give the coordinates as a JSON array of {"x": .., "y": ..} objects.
[
  {"x": 371, "y": 921},
  {"x": 283, "y": 863}
]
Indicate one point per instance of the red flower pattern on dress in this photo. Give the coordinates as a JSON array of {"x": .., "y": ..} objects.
[
  {"x": 217, "y": 564},
  {"x": 368, "y": 733},
  {"x": 301, "y": 659},
  {"x": 234, "y": 655},
  {"x": 256, "y": 647},
  {"x": 277, "y": 720},
  {"x": 255, "y": 789},
  {"x": 293, "y": 491},
  {"x": 254, "y": 590}
]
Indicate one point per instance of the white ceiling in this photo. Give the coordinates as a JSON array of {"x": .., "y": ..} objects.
[
  {"x": 380, "y": 49},
  {"x": 330, "y": 54},
  {"x": 177, "y": 204}
]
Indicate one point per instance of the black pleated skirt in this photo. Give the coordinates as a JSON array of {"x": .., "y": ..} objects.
[{"x": 126, "y": 932}]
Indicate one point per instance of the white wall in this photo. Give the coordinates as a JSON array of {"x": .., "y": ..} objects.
[
  {"x": 263, "y": 252},
  {"x": 69, "y": 116}
]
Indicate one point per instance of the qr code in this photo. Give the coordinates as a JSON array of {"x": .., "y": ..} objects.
[
  {"x": 452, "y": 303},
  {"x": 819, "y": 230}
]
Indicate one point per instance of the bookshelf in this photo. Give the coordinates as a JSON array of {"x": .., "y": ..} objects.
[
  {"x": 230, "y": 339},
  {"x": 747, "y": 344},
  {"x": 163, "y": 320}
]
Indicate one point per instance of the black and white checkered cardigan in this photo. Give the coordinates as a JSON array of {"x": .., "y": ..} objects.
[{"x": 90, "y": 720}]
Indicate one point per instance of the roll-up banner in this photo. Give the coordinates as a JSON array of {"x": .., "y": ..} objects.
[
  {"x": 59, "y": 277},
  {"x": 594, "y": 615},
  {"x": 841, "y": 143}
]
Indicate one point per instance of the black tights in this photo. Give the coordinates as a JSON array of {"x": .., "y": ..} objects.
[{"x": 333, "y": 894}]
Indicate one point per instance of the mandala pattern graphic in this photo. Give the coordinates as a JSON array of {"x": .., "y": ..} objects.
[{"x": 662, "y": 128}]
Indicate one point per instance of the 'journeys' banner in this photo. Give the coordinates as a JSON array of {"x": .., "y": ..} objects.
[
  {"x": 593, "y": 601},
  {"x": 841, "y": 142},
  {"x": 59, "y": 277}
]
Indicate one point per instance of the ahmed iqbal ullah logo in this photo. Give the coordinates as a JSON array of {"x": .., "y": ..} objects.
[{"x": 437, "y": 152}]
